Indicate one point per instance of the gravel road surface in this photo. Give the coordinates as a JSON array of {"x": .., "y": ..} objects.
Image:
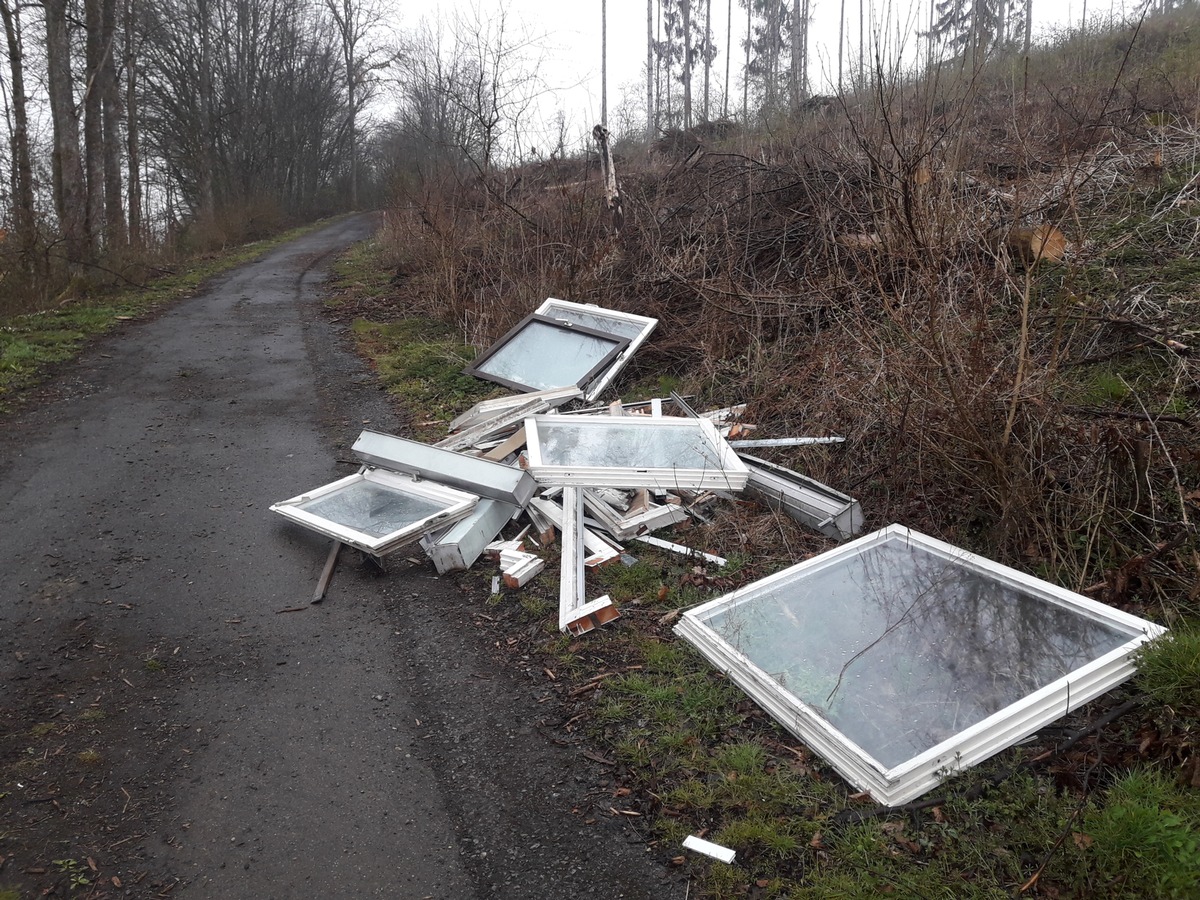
[{"x": 169, "y": 730}]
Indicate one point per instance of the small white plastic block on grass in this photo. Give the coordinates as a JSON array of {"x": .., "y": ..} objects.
[{"x": 708, "y": 848}]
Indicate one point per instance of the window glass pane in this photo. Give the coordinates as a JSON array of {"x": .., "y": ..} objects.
[
  {"x": 609, "y": 324},
  {"x": 543, "y": 356},
  {"x": 372, "y": 508},
  {"x": 900, "y": 649},
  {"x": 633, "y": 446}
]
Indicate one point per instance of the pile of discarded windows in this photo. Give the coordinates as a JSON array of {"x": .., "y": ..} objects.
[{"x": 897, "y": 657}]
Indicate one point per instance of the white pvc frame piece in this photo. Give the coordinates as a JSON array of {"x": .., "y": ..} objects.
[
  {"x": 467, "y": 473},
  {"x": 901, "y": 782},
  {"x": 636, "y": 328},
  {"x": 807, "y": 500},
  {"x": 458, "y": 547},
  {"x": 571, "y": 586},
  {"x": 613, "y": 455},
  {"x": 489, "y": 409},
  {"x": 451, "y": 506}
]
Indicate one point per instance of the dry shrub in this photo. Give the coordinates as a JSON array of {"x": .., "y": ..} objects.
[{"x": 852, "y": 275}]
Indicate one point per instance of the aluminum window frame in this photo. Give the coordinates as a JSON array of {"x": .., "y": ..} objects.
[
  {"x": 552, "y": 307},
  {"x": 619, "y": 345},
  {"x": 729, "y": 473},
  {"x": 456, "y": 505},
  {"x": 901, "y": 783}
]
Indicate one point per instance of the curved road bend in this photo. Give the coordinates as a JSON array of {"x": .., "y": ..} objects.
[{"x": 363, "y": 747}]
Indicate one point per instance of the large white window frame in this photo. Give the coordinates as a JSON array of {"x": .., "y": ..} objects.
[
  {"x": 901, "y": 783},
  {"x": 455, "y": 505},
  {"x": 727, "y": 472},
  {"x": 636, "y": 328}
]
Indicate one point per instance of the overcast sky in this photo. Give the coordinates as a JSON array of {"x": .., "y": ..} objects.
[{"x": 572, "y": 40}]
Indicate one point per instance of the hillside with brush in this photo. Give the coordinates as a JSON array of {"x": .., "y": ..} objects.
[{"x": 987, "y": 281}]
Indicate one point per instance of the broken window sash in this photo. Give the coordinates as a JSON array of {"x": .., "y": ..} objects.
[
  {"x": 635, "y": 329},
  {"x": 806, "y": 500},
  {"x": 575, "y": 613},
  {"x": 489, "y": 409},
  {"x": 377, "y": 510},
  {"x": 682, "y": 550},
  {"x": 500, "y": 423},
  {"x": 600, "y": 551},
  {"x": 540, "y": 353},
  {"x": 468, "y": 473},
  {"x": 902, "y": 659},
  {"x": 632, "y": 524},
  {"x": 616, "y": 451}
]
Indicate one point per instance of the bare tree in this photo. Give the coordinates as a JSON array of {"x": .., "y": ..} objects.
[
  {"x": 707, "y": 56},
  {"x": 105, "y": 85},
  {"x": 93, "y": 123},
  {"x": 604, "y": 63},
  {"x": 133, "y": 144},
  {"x": 356, "y": 21},
  {"x": 22, "y": 174},
  {"x": 685, "y": 9},
  {"x": 728, "y": 54},
  {"x": 650, "y": 70},
  {"x": 69, "y": 191}
]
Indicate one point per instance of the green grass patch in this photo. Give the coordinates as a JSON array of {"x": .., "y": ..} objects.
[
  {"x": 1168, "y": 668},
  {"x": 1146, "y": 840},
  {"x": 422, "y": 361}
]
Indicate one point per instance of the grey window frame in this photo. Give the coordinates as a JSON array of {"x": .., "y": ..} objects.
[
  {"x": 619, "y": 345},
  {"x": 553, "y": 307}
]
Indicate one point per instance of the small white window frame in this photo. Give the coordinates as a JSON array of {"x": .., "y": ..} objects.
[
  {"x": 728, "y": 473},
  {"x": 456, "y": 505},
  {"x": 908, "y": 780},
  {"x": 553, "y": 308}
]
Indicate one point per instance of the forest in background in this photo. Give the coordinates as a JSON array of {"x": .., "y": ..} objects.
[{"x": 140, "y": 129}]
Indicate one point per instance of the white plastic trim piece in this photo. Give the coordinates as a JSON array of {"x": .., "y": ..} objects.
[
  {"x": 681, "y": 550},
  {"x": 708, "y": 848},
  {"x": 521, "y": 571},
  {"x": 487, "y": 409}
]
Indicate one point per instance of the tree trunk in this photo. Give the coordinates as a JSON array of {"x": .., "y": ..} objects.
[
  {"x": 841, "y": 41},
  {"x": 23, "y": 211},
  {"x": 746, "y": 70},
  {"x": 707, "y": 56},
  {"x": 133, "y": 149},
  {"x": 110, "y": 99},
  {"x": 70, "y": 197},
  {"x": 93, "y": 125},
  {"x": 206, "y": 200},
  {"x": 728, "y": 55},
  {"x": 794, "y": 79},
  {"x": 604, "y": 63},
  {"x": 650, "y": 70},
  {"x": 685, "y": 7}
]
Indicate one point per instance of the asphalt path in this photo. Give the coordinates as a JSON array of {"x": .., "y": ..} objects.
[{"x": 368, "y": 746}]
